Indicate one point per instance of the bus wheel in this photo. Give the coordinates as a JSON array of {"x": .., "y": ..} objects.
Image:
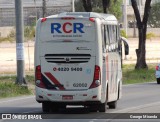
[
  {"x": 45, "y": 106},
  {"x": 54, "y": 107},
  {"x": 158, "y": 80},
  {"x": 93, "y": 108},
  {"x": 102, "y": 107},
  {"x": 112, "y": 105}
]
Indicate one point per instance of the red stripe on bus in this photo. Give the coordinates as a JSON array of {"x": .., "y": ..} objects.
[{"x": 54, "y": 80}]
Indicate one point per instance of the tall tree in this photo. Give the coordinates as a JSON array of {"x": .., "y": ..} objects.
[
  {"x": 105, "y": 4},
  {"x": 154, "y": 18},
  {"x": 87, "y": 5},
  {"x": 115, "y": 8},
  {"x": 44, "y": 8},
  {"x": 142, "y": 29}
]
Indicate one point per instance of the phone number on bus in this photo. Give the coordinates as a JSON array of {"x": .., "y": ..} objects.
[{"x": 67, "y": 69}]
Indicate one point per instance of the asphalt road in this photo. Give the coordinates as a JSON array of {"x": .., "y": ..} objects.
[{"x": 139, "y": 98}]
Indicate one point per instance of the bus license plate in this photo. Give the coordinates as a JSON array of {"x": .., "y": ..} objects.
[{"x": 67, "y": 97}]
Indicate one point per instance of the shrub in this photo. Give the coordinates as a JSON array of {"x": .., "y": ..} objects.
[
  {"x": 123, "y": 33},
  {"x": 150, "y": 35}
]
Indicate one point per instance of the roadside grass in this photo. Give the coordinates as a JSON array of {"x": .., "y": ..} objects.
[
  {"x": 131, "y": 75},
  {"x": 8, "y": 88}
]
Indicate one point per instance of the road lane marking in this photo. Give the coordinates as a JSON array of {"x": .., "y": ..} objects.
[
  {"x": 32, "y": 111},
  {"x": 135, "y": 108}
]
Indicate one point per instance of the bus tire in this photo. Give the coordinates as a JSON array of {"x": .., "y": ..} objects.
[
  {"x": 158, "y": 80},
  {"x": 93, "y": 108},
  {"x": 102, "y": 107},
  {"x": 54, "y": 107},
  {"x": 45, "y": 107},
  {"x": 112, "y": 105}
]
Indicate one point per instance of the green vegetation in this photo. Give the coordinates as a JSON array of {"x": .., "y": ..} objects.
[
  {"x": 8, "y": 88},
  {"x": 114, "y": 7},
  {"x": 29, "y": 33},
  {"x": 150, "y": 35},
  {"x": 131, "y": 75},
  {"x": 123, "y": 33},
  {"x": 154, "y": 18}
]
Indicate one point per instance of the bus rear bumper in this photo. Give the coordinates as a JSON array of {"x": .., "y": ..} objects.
[{"x": 69, "y": 97}]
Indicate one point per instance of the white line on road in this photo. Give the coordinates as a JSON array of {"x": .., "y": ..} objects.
[
  {"x": 32, "y": 111},
  {"x": 135, "y": 108}
]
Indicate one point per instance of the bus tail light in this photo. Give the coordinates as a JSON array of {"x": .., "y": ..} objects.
[
  {"x": 157, "y": 67},
  {"x": 92, "y": 19},
  {"x": 38, "y": 77},
  {"x": 43, "y": 19},
  {"x": 97, "y": 77}
]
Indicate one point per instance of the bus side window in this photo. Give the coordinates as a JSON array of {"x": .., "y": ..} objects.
[
  {"x": 110, "y": 34},
  {"x": 103, "y": 38},
  {"x": 109, "y": 37},
  {"x": 115, "y": 33}
]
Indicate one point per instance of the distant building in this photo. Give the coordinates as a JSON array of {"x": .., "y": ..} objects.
[{"x": 32, "y": 10}]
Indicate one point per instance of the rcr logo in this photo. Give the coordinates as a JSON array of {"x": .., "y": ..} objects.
[{"x": 67, "y": 27}]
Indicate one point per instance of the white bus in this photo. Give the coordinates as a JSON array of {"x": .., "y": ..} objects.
[{"x": 78, "y": 61}]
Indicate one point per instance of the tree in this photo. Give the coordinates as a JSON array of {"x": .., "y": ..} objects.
[
  {"x": 44, "y": 8},
  {"x": 115, "y": 8},
  {"x": 87, "y": 5},
  {"x": 154, "y": 18},
  {"x": 101, "y": 6},
  {"x": 142, "y": 29},
  {"x": 79, "y": 6},
  {"x": 105, "y": 4}
]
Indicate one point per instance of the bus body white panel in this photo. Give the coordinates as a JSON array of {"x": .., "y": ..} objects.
[{"x": 71, "y": 64}]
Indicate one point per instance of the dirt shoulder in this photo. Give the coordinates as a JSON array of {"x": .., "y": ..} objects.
[{"x": 8, "y": 54}]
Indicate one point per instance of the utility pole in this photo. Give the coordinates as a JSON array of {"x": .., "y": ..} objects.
[
  {"x": 73, "y": 6},
  {"x": 19, "y": 42},
  {"x": 44, "y": 8},
  {"x": 35, "y": 9}
]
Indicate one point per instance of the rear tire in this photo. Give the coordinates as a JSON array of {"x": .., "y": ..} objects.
[
  {"x": 102, "y": 107},
  {"x": 46, "y": 107},
  {"x": 158, "y": 80},
  {"x": 112, "y": 105},
  {"x": 54, "y": 107},
  {"x": 93, "y": 108}
]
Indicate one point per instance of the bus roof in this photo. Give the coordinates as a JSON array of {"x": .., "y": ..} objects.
[{"x": 106, "y": 17}]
